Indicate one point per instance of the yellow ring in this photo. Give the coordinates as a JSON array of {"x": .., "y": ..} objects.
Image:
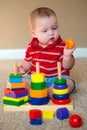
[
  {"x": 37, "y": 78},
  {"x": 60, "y": 92}
]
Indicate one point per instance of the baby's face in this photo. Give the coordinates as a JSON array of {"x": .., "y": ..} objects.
[{"x": 46, "y": 30}]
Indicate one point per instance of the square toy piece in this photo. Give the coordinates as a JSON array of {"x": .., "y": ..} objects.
[{"x": 48, "y": 114}]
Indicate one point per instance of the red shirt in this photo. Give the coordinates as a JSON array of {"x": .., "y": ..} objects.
[{"x": 47, "y": 57}]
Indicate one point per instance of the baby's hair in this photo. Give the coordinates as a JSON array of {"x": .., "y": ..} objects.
[{"x": 40, "y": 12}]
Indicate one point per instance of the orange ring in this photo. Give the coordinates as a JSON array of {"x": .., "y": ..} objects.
[{"x": 38, "y": 93}]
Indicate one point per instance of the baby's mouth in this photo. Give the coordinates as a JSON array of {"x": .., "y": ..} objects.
[{"x": 51, "y": 39}]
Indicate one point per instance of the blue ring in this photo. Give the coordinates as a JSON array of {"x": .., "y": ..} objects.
[
  {"x": 60, "y": 97},
  {"x": 38, "y": 101},
  {"x": 61, "y": 86}
]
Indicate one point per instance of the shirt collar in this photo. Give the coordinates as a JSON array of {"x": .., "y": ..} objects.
[{"x": 34, "y": 43}]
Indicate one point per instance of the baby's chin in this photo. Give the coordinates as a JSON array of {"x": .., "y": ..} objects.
[{"x": 51, "y": 42}]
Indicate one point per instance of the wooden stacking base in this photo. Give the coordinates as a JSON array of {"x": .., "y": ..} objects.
[{"x": 49, "y": 106}]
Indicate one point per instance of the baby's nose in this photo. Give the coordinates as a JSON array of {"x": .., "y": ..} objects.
[{"x": 51, "y": 32}]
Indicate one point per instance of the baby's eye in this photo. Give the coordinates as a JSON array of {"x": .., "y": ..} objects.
[
  {"x": 54, "y": 28},
  {"x": 44, "y": 31}
]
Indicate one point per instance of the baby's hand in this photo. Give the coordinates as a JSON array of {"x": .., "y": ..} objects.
[
  {"x": 68, "y": 52},
  {"x": 20, "y": 69}
]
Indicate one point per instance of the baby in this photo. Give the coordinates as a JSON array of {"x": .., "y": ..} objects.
[{"x": 47, "y": 48}]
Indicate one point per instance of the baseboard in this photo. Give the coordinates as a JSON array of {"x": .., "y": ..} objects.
[
  {"x": 8, "y": 54},
  {"x": 80, "y": 52}
]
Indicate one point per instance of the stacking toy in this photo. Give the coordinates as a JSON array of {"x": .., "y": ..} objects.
[
  {"x": 38, "y": 91},
  {"x": 75, "y": 121},
  {"x": 69, "y": 43},
  {"x": 60, "y": 89},
  {"x": 15, "y": 93}
]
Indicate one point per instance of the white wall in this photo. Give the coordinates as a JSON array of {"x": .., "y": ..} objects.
[{"x": 19, "y": 53}]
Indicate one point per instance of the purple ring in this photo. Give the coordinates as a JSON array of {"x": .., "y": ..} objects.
[{"x": 61, "y": 86}]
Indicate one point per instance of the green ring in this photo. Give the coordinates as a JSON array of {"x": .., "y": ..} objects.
[
  {"x": 60, "y": 81},
  {"x": 38, "y": 86},
  {"x": 15, "y": 76}
]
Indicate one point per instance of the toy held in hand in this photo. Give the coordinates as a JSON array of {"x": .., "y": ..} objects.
[{"x": 69, "y": 43}]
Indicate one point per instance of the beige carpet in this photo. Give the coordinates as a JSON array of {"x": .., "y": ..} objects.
[{"x": 20, "y": 120}]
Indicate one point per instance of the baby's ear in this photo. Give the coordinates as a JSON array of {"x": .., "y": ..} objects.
[{"x": 32, "y": 33}]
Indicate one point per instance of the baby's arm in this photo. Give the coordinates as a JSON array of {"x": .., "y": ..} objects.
[
  {"x": 24, "y": 67},
  {"x": 68, "y": 58}
]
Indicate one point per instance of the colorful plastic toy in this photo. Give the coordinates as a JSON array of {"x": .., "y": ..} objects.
[
  {"x": 75, "y": 120},
  {"x": 62, "y": 113},
  {"x": 61, "y": 97},
  {"x": 38, "y": 91},
  {"x": 69, "y": 43},
  {"x": 63, "y": 86},
  {"x": 15, "y": 85},
  {"x": 38, "y": 86},
  {"x": 15, "y": 101},
  {"x": 15, "y": 78},
  {"x": 37, "y": 77},
  {"x": 36, "y": 122},
  {"x": 34, "y": 113},
  {"x": 60, "y": 89},
  {"x": 35, "y": 116},
  {"x": 39, "y": 101},
  {"x": 61, "y": 102},
  {"x": 59, "y": 81},
  {"x": 48, "y": 114},
  {"x": 15, "y": 93}
]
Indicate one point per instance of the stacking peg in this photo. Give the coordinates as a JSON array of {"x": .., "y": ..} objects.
[
  {"x": 60, "y": 89},
  {"x": 38, "y": 91}
]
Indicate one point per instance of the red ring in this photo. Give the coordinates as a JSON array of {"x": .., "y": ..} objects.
[{"x": 61, "y": 102}]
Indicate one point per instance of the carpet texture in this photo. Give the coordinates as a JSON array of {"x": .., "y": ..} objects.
[{"x": 20, "y": 120}]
